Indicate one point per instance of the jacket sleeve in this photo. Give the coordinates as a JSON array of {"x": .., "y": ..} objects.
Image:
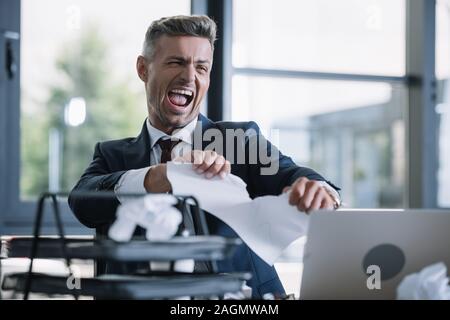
[
  {"x": 272, "y": 171},
  {"x": 95, "y": 212}
]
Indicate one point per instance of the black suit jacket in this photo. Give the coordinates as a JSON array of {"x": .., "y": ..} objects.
[{"x": 113, "y": 158}]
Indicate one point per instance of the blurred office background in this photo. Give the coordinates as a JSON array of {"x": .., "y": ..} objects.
[{"x": 357, "y": 89}]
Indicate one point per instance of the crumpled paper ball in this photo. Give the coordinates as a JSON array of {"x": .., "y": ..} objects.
[
  {"x": 153, "y": 212},
  {"x": 431, "y": 283}
]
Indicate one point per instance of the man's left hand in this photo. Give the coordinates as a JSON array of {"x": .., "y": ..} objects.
[{"x": 309, "y": 195}]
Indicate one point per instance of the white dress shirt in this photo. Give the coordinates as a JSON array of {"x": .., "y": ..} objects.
[{"x": 132, "y": 181}]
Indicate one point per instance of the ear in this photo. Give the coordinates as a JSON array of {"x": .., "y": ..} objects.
[{"x": 142, "y": 69}]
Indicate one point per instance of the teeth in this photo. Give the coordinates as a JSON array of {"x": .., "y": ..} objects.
[{"x": 185, "y": 92}]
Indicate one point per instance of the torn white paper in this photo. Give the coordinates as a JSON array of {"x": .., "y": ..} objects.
[{"x": 266, "y": 224}]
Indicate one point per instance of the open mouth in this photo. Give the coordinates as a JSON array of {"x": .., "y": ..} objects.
[{"x": 180, "y": 97}]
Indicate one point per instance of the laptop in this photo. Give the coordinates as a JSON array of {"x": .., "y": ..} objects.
[{"x": 365, "y": 254}]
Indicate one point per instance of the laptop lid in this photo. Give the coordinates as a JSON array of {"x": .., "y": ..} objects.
[{"x": 345, "y": 248}]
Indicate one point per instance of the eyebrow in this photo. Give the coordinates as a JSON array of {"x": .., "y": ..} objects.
[{"x": 179, "y": 58}]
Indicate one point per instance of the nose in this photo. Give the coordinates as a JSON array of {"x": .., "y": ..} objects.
[{"x": 188, "y": 74}]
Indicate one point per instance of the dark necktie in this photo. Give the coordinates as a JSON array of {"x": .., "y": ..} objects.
[
  {"x": 166, "y": 149},
  {"x": 188, "y": 223}
]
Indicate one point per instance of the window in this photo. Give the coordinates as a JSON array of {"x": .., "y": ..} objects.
[
  {"x": 298, "y": 69},
  {"x": 346, "y": 36},
  {"x": 78, "y": 83},
  {"x": 443, "y": 99}
]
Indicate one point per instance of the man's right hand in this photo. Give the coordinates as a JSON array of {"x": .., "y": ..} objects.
[
  {"x": 156, "y": 179},
  {"x": 209, "y": 163}
]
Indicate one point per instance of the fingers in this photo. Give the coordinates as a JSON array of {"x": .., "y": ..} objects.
[
  {"x": 327, "y": 203},
  {"x": 207, "y": 161},
  {"x": 210, "y": 163},
  {"x": 286, "y": 189},
  {"x": 318, "y": 198},
  {"x": 297, "y": 191},
  {"x": 183, "y": 159},
  {"x": 226, "y": 169},
  {"x": 197, "y": 157},
  {"x": 218, "y": 167},
  {"x": 309, "y": 195}
]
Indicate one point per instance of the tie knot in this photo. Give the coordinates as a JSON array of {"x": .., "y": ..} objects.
[
  {"x": 167, "y": 144},
  {"x": 166, "y": 149}
]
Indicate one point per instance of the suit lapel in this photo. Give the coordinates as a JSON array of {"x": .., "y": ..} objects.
[
  {"x": 203, "y": 124},
  {"x": 137, "y": 153},
  {"x": 206, "y": 124}
]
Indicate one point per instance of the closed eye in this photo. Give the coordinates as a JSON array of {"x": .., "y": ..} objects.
[
  {"x": 178, "y": 63},
  {"x": 203, "y": 68}
]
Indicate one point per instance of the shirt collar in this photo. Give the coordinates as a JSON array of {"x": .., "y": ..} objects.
[{"x": 184, "y": 134}]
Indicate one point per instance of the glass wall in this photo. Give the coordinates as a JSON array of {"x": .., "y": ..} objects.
[
  {"x": 351, "y": 131},
  {"x": 345, "y": 36}
]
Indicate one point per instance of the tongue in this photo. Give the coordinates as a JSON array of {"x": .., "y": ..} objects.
[{"x": 177, "y": 99}]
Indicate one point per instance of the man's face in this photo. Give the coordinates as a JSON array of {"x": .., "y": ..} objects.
[{"x": 176, "y": 80}]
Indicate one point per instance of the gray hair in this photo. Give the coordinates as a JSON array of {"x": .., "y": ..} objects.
[{"x": 195, "y": 25}]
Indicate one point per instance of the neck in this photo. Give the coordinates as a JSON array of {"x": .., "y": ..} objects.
[
  {"x": 159, "y": 126},
  {"x": 167, "y": 129}
]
